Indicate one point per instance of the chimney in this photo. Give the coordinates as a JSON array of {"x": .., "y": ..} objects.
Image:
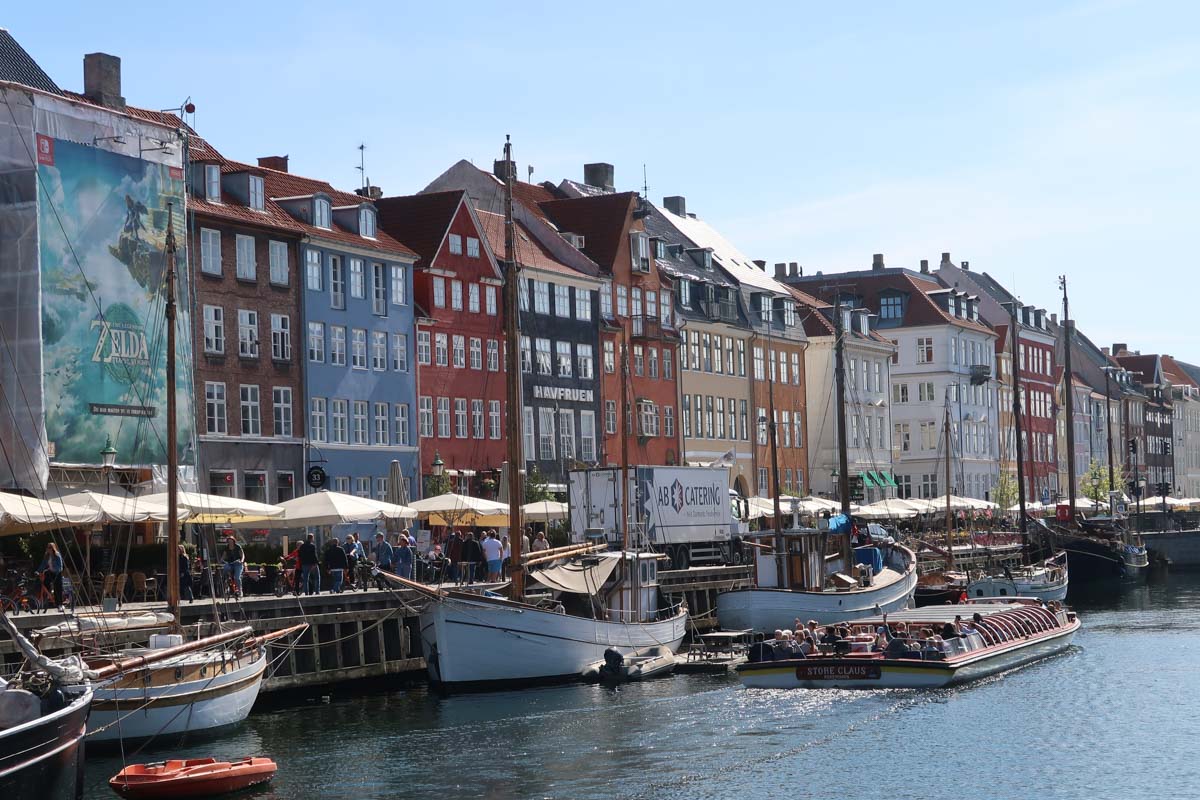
[
  {"x": 793, "y": 269},
  {"x": 279, "y": 163},
  {"x": 758, "y": 262},
  {"x": 780, "y": 271},
  {"x": 1118, "y": 348},
  {"x": 599, "y": 175},
  {"x": 102, "y": 80},
  {"x": 1105, "y": 351},
  {"x": 966, "y": 265},
  {"x": 877, "y": 261},
  {"x": 502, "y": 169},
  {"x": 1054, "y": 317},
  {"x": 946, "y": 258},
  {"x": 676, "y": 204},
  {"x": 369, "y": 192},
  {"x": 925, "y": 266}
]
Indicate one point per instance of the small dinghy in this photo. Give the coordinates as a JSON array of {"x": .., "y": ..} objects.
[
  {"x": 638, "y": 666},
  {"x": 194, "y": 777}
]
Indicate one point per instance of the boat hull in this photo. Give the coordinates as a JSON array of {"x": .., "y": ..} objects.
[
  {"x": 849, "y": 673},
  {"x": 771, "y": 609},
  {"x": 214, "y": 696},
  {"x": 1092, "y": 560},
  {"x": 483, "y": 644},
  {"x": 44, "y": 758}
]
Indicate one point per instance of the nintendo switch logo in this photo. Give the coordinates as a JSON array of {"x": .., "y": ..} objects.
[
  {"x": 677, "y": 496},
  {"x": 45, "y": 150}
]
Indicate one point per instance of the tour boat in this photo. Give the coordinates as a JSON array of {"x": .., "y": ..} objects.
[
  {"x": 1009, "y": 634},
  {"x": 818, "y": 585},
  {"x": 194, "y": 777},
  {"x": 598, "y": 601},
  {"x": 1047, "y": 580},
  {"x": 43, "y": 716}
]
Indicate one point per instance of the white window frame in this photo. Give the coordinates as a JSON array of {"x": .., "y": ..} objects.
[
  {"x": 210, "y": 251},
  {"x": 282, "y": 411},
  {"x": 337, "y": 345},
  {"x": 358, "y": 279},
  {"x": 250, "y": 406},
  {"x": 494, "y": 419},
  {"x": 399, "y": 352},
  {"x": 281, "y": 337},
  {"x": 318, "y": 422},
  {"x": 399, "y": 285},
  {"x": 212, "y": 183},
  {"x": 314, "y": 270},
  {"x": 258, "y": 194},
  {"x": 277, "y": 255},
  {"x": 214, "y": 330},
  {"x": 379, "y": 347},
  {"x": 216, "y": 413},
  {"x": 490, "y": 300},
  {"x": 247, "y": 333}
]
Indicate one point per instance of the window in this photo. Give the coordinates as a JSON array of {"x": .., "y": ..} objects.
[
  {"x": 337, "y": 283},
  {"x": 251, "y": 411},
  {"x": 529, "y": 442},
  {"x": 277, "y": 254},
  {"x": 441, "y": 350},
  {"x": 338, "y": 415},
  {"x": 562, "y": 301},
  {"x": 698, "y": 414},
  {"x": 610, "y": 416},
  {"x": 760, "y": 372},
  {"x": 706, "y": 353},
  {"x": 256, "y": 486},
  {"x": 460, "y": 351},
  {"x": 929, "y": 486},
  {"x": 489, "y": 298},
  {"x": 541, "y": 297},
  {"x": 400, "y": 411},
  {"x": 212, "y": 182},
  {"x": 382, "y": 436},
  {"x": 544, "y": 366},
  {"x": 639, "y": 251},
  {"x": 456, "y": 295},
  {"x": 439, "y": 291},
  {"x": 686, "y": 411},
  {"x": 360, "y": 422},
  {"x": 708, "y": 417},
  {"x": 647, "y": 418},
  {"x": 473, "y": 298},
  {"x": 494, "y": 419},
  {"x": 523, "y": 295},
  {"x": 337, "y": 345},
  {"x": 246, "y": 268},
  {"x": 214, "y": 329},
  {"x": 341, "y": 484},
  {"x": 362, "y": 487},
  {"x": 669, "y": 421},
  {"x": 668, "y": 364},
  {"x": 322, "y": 212},
  {"x": 476, "y": 353},
  {"x": 610, "y": 360},
  {"x": 358, "y": 279},
  {"x": 456, "y": 244},
  {"x": 379, "y": 350},
  {"x": 563, "y": 350},
  {"x": 210, "y": 251},
  {"x": 566, "y": 433},
  {"x": 717, "y": 359},
  {"x": 639, "y": 360},
  {"x": 798, "y": 429},
  {"x": 741, "y": 358},
  {"x": 425, "y": 416},
  {"x": 622, "y": 301},
  {"x": 606, "y": 307},
  {"x": 924, "y": 350},
  {"x": 891, "y": 307},
  {"x": 477, "y": 419},
  {"x": 929, "y": 435},
  {"x": 493, "y": 355},
  {"x": 378, "y": 290},
  {"x": 526, "y": 355},
  {"x": 583, "y": 304},
  {"x": 316, "y": 419},
  {"x": 762, "y": 481},
  {"x": 925, "y": 391},
  {"x": 546, "y": 434},
  {"x": 281, "y": 406},
  {"x": 761, "y": 424},
  {"x": 400, "y": 352},
  {"x": 472, "y": 247},
  {"x": 422, "y": 347},
  {"x": 256, "y": 193},
  {"x": 665, "y": 308},
  {"x": 899, "y": 392},
  {"x": 720, "y": 418},
  {"x": 358, "y": 349},
  {"x": 214, "y": 407},
  {"x": 443, "y": 413},
  {"x": 313, "y": 270},
  {"x": 399, "y": 285},
  {"x": 783, "y": 374},
  {"x": 732, "y": 408},
  {"x": 247, "y": 333},
  {"x": 281, "y": 337},
  {"x": 652, "y": 362},
  {"x": 636, "y": 311},
  {"x": 366, "y": 223},
  {"x": 796, "y": 370},
  {"x": 285, "y": 486},
  {"x": 685, "y": 293},
  {"x": 743, "y": 421}
]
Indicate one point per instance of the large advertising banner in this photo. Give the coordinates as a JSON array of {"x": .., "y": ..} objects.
[{"x": 102, "y": 225}]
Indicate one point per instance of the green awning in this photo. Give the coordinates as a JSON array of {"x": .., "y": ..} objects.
[
  {"x": 888, "y": 479},
  {"x": 875, "y": 477},
  {"x": 866, "y": 476}
]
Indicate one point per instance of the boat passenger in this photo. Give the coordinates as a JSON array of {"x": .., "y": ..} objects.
[
  {"x": 830, "y": 636},
  {"x": 931, "y": 652},
  {"x": 808, "y": 646},
  {"x": 949, "y": 631},
  {"x": 811, "y": 630},
  {"x": 897, "y": 647}
]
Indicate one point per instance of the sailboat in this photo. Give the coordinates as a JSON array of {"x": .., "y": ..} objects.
[
  {"x": 596, "y": 601},
  {"x": 816, "y": 574}
]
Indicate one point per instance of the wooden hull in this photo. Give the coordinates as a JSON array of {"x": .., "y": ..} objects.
[{"x": 43, "y": 759}]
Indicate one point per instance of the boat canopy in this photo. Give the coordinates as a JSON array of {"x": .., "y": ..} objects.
[{"x": 578, "y": 577}]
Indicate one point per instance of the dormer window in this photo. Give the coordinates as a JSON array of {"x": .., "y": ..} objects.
[
  {"x": 952, "y": 304},
  {"x": 685, "y": 293},
  {"x": 212, "y": 182},
  {"x": 789, "y": 314},
  {"x": 639, "y": 251},
  {"x": 321, "y": 212},
  {"x": 366, "y": 222},
  {"x": 764, "y": 307},
  {"x": 660, "y": 248},
  {"x": 257, "y": 195},
  {"x": 891, "y": 307}
]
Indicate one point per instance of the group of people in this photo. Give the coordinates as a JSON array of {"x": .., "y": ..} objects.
[
  {"x": 463, "y": 553},
  {"x": 891, "y": 640}
]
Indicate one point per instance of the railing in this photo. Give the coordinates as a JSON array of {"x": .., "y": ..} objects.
[{"x": 647, "y": 326}]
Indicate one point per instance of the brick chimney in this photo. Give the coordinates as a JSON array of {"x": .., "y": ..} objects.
[
  {"x": 793, "y": 269},
  {"x": 924, "y": 266},
  {"x": 370, "y": 192},
  {"x": 676, "y": 204},
  {"x": 1119, "y": 347},
  {"x": 946, "y": 259},
  {"x": 780, "y": 271},
  {"x": 102, "y": 80},
  {"x": 599, "y": 175},
  {"x": 278, "y": 163},
  {"x": 966, "y": 266},
  {"x": 877, "y": 261},
  {"x": 502, "y": 169}
]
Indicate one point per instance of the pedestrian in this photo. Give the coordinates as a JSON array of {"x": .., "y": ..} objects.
[
  {"x": 351, "y": 557},
  {"x": 526, "y": 539},
  {"x": 404, "y": 558},
  {"x": 540, "y": 542},
  {"x": 384, "y": 555},
  {"x": 310, "y": 567},
  {"x": 336, "y": 563},
  {"x": 235, "y": 561},
  {"x": 453, "y": 549},
  {"x": 52, "y": 569},
  {"x": 472, "y": 554},
  {"x": 493, "y": 553},
  {"x": 507, "y": 557},
  {"x": 185, "y": 574}
]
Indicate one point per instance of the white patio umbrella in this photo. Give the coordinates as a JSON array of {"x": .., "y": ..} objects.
[
  {"x": 458, "y": 509},
  {"x": 1030, "y": 506},
  {"x": 959, "y": 503},
  {"x": 218, "y": 509},
  {"x": 329, "y": 508},
  {"x": 888, "y": 508},
  {"x": 118, "y": 508},
  {"x": 543, "y": 511},
  {"x": 21, "y": 514}
]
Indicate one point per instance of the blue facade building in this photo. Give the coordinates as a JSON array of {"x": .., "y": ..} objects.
[{"x": 358, "y": 335}]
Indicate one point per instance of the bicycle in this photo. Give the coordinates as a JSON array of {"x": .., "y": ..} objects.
[
  {"x": 228, "y": 587},
  {"x": 285, "y": 581},
  {"x": 25, "y": 596}
]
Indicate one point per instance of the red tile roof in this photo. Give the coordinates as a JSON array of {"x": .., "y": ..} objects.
[
  {"x": 920, "y": 310},
  {"x": 420, "y": 220},
  {"x": 530, "y": 252},
  {"x": 602, "y": 220},
  {"x": 1144, "y": 368},
  {"x": 1176, "y": 374}
]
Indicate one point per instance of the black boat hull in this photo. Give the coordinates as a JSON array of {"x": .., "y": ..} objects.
[
  {"x": 1091, "y": 561},
  {"x": 44, "y": 759},
  {"x": 935, "y": 596}
]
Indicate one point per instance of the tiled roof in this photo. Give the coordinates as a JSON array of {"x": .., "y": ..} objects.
[
  {"x": 659, "y": 227},
  {"x": 272, "y": 216},
  {"x": 602, "y": 221},
  {"x": 530, "y": 251},
  {"x": 17, "y": 66},
  {"x": 420, "y": 220},
  {"x": 740, "y": 267},
  {"x": 1175, "y": 374},
  {"x": 1144, "y": 368}
]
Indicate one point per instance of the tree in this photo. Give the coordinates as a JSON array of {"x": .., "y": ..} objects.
[
  {"x": 536, "y": 488},
  {"x": 1095, "y": 483},
  {"x": 1005, "y": 492},
  {"x": 436, "y": 485}
]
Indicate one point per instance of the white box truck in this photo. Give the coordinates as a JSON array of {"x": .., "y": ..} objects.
[{"x": 683, "y": 512}]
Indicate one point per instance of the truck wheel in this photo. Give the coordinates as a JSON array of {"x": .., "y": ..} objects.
[{"x": 682, "y": 558}]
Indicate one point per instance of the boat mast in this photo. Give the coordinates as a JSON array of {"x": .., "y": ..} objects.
[
  {"x": 839, "y": 375},
  {"x": 626, "y": 407},
  {"x": 949, "y": 515},
  {"x": 1070, "y": 399},
  {"x": 780, "y": 550},
  {"x": 1015, "y": 335},
  {"x": 172, "y": 564},
  {"x": 512, "y": 345}
]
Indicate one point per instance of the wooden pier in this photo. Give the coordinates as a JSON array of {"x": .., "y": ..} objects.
[{"x": 700, "y": 586}]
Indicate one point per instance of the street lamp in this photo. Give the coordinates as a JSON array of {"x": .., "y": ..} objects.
[
  {"x": 438, "y": 466},
  {"x": 108, "y": 458}
]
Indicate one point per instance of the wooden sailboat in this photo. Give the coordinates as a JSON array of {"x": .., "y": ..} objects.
[
  {"x": 596, "y": 602},
  {"x": 810, "y": 573}
]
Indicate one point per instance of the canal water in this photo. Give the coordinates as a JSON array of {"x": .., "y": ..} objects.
[{"x": 1116, "y": 717}]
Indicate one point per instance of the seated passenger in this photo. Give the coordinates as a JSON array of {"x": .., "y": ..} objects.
[
  {"x": 829, "y": 636},
  {"x": 948, "y": 631},
  {"x": 931, "y": 652},
  {"x": 896, "y": 648},
  {"x": 760, "y": 651},
  {"x": 808, "y": 646}
]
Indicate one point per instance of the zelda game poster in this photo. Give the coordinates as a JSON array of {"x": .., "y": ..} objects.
[{"x": 102, "y": 222}]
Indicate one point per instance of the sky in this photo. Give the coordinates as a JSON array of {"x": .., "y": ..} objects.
[{"x": 1032, "y": 139}]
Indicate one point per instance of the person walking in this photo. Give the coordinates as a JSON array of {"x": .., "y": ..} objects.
[
  {"x": 454, "y": 545},
  {"x": 404, "y": 558},
  {"x": 472, "y": 554},
  {"x": 384, "y": 556},
  {"x": 51, "y": 570},
  {"x": 310, "y": 566},
  {"x": 185, "y": 574},
  {"x": 336, "y": 563},
  {"x": 540, "y": 543},
  {"x": 493, "y": 554}
]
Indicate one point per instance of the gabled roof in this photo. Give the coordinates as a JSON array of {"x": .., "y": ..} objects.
[
  {"x": 17, "y": 66},
  {"x": 739, "y": 266},
  {"x": 681, "y": 265},
  {"x": 1175, "y": 373},
  {"x": 603, "y": 220},
  {"x": 530, "y": 252},
  {"x": 1144, "y": 368},
  {"x": 420, "y": 220}
]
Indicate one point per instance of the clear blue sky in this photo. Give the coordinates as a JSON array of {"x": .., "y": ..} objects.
[{"x": 1030, "y": 138}]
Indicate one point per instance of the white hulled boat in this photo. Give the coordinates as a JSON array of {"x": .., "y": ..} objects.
[{"x": 1044, "y": 581}]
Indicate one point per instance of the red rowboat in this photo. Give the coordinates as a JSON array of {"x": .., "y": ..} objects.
[{"x": 194, "y": 777}]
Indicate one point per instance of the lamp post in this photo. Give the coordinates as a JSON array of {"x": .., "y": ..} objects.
[
  {"x": 1108, "y": 369},
  {"x": 108, "y": 458},
  {"x": 438, "y": 466}
]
